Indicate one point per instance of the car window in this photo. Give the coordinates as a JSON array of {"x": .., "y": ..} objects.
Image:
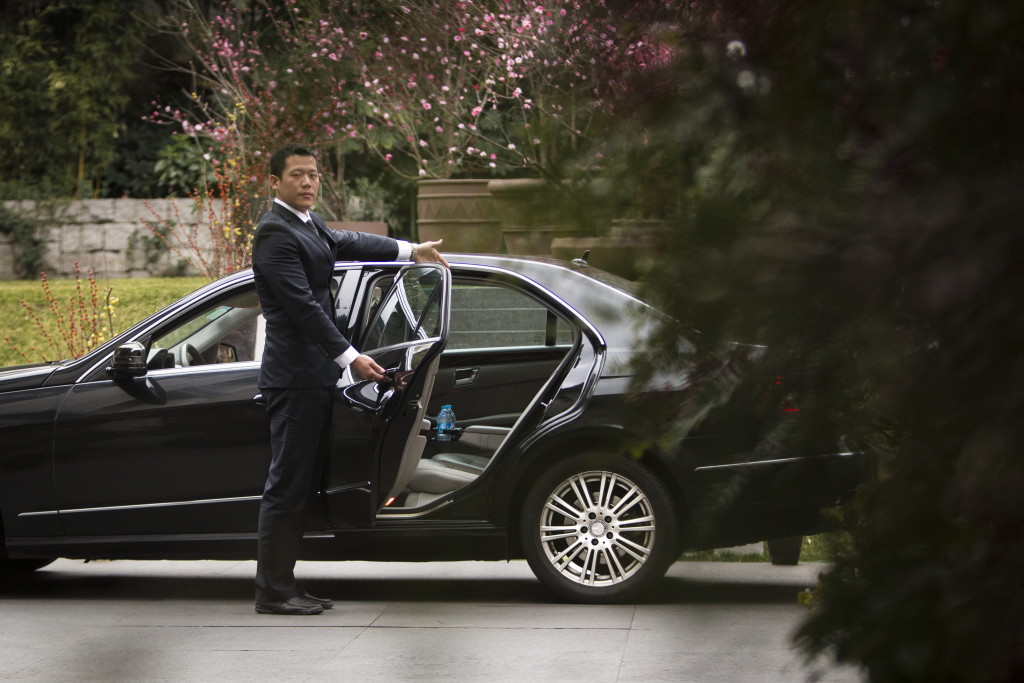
[
  {"x": 224, "y": 332},
  {"x": 409, "y": 311},
  {"x": 488, "y": 315}
]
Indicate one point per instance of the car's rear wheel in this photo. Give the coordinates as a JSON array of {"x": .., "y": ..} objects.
[
  {"x": 785, "y": 551},
  {"x": 598, "y": 528}
]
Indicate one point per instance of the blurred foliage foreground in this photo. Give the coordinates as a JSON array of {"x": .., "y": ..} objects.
[{"x": 844, "y": 182}]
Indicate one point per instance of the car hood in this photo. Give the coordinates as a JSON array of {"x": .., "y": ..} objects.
[{"x": 24, "y": 376}]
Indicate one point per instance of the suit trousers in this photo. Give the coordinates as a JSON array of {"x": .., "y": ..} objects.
[{"x": 299, "y": 437}]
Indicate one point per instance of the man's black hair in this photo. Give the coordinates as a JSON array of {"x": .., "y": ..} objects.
[{"x": 291, "y": 149}]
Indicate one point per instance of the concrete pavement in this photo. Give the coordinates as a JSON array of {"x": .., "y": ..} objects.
[{"x": 472, "y": 621}]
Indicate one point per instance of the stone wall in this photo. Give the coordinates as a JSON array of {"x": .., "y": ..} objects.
[{"x": 110, "y": 237}]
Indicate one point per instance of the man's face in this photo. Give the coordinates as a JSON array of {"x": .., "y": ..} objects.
[{"x": 299, "y": 182}]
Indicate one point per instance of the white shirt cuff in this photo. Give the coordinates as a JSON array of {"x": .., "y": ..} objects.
[
  {"x": 345, "y": 359},
  {"x": 404, "y": 250}
]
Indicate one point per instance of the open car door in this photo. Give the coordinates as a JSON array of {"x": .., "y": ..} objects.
[{"x": 378, "y": 428}]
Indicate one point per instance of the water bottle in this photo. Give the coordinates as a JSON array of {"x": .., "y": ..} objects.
[{"x": 445, "y": 423}]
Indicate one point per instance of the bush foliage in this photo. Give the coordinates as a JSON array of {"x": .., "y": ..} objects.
[{"x": 843, "y": 183}]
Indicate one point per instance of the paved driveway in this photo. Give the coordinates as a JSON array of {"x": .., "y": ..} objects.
[{"x": 473, "y": 621}]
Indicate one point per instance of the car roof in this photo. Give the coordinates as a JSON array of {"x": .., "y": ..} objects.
[
  {"x": 608, "y": 301},
  {"x": 553, "y": 273}
]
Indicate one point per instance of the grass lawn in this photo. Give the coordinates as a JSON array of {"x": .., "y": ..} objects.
[{"x": 136, "y": 299}]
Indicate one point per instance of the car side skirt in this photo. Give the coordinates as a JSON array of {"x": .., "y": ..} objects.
[{"x": 453, "y": 543}]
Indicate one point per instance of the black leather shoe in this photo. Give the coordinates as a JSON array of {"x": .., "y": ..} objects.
[
  {"x": 326, "y": 603},
  {"x": 298, "y": 605}
]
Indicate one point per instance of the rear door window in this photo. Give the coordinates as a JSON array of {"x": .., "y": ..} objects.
[{"x": 485, "y": 316}]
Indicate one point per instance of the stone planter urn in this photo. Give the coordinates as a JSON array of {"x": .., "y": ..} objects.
[
  {"x": 461, "y": 212},
  {"x": 521, "y": 205}
]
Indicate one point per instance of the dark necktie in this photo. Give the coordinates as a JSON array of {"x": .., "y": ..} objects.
[{"x": 319, "y": 233}]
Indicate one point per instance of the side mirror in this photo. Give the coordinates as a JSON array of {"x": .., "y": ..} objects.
[{"x": 129, "y": 361}]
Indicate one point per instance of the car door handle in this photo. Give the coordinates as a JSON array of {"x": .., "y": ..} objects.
[
  {"x": 465, "y": 376},
  {"x": 390, "y": 375},
  {"x": 259, "y": 399}
]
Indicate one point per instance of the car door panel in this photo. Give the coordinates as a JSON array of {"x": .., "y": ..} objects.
[
  {"x": 27, "y": 501},
  {"x": 176, "y": 451},
  {"x": 376, "y": 426},
  {"x": 503, "y": 382}
]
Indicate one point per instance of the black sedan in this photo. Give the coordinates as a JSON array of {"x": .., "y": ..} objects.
[{"x": 154, "y": 445}]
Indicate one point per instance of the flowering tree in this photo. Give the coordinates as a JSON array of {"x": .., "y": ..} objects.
[
  {"x": 429, "y": 87},
  {"x": 258, "y": 92},
  {"x": 434, "y": 88},
  {"x": 249, "y": 104},
  {"x": 446, "y": 87}
]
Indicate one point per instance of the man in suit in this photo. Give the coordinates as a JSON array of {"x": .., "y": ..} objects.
[{"x": 293, "y": 259}]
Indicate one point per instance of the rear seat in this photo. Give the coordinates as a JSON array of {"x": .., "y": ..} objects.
[
  {"x": 463, "y": 461},
  {"x": 445, "y": 472}
]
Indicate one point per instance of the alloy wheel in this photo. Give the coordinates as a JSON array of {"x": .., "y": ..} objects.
[{"x": 597, "y": 528}]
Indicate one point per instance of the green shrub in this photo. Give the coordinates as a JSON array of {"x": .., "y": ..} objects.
[
  {"x": 27, "y": 245},
  {"x": 181, "y": 167}
]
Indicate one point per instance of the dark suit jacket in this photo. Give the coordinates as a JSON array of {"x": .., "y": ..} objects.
[{"x": 293, "y": 269}]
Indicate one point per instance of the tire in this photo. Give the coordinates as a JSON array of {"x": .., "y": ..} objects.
[
  {"x": 599, "y": 529},
  {"x": 785, "y": 551}
]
